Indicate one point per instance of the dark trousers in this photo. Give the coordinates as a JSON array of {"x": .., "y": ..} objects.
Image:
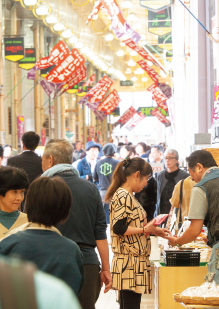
[
  {"x": 91, "y": 288},
  {"x": 129, "y": 300},
  {"x": 106, "y": 208}
]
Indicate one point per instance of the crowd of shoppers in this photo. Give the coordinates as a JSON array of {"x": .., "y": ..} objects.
[{"x": 71, "y": 196}]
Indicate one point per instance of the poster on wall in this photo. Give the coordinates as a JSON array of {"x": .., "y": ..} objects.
[
  {"x": 159, "y": 22},
  {"x": 14, "y": 49},
  {"x": 20, "y": 127},
  {"x": 215, "y": 117}
]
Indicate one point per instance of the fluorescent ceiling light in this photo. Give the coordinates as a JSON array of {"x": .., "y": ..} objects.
[
  {"x": 52, "y": 18},
  {"x": 133, "y": 53},
  {"x": 79, "y": 44},
  {"x": 84, "y": 50},
  {"x": 111, "y": 71},
  {"x": 59, "y": 26},
  {"x": 150, "y": 63},
  {"x": 132, "y": 17},
  {"x": 30, "y": 2},
  {"x": 109, "y": 37},
  {"x": 128, "y": 71},
  {"x": 144, "y": 79},
  {"x": 67, "y": 33},
  {"x": 120, "y": 53},
  {"x": 144, "y": 42},
  {"x": 126, "y": 4},
  {"x": 137, "y": 26},
  {"x": 73, "y": 40},
  {"x": 42, "y": 10},
  {"x": 93, "y": 57},
  {"x": 122, "y": 44},
  {"x": 131, "y": 63},
  {"x": 139, "y": 71},
  {"x": 134, "y": 79}
]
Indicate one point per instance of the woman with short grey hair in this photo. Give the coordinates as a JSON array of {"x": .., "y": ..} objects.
[{"x": 167, "y": 179}]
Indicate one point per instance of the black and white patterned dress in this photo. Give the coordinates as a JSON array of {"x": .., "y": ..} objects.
[{"x": 130, "y": 266}]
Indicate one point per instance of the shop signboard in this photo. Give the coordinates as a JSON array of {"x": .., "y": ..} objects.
[
  {"x": 116, "y": 112},
  {"x": 129, "y": 113},
  {"x": 136, "y": 119},
  {"x": 160, "y": 117},
  {"x": 109, "y": 103},
  {"x": 64, "y": 70},
  {"x": 20, "y": 127},
  {"x": 157, "y": 167},
  {"x": 155, "y": 5},
  {"x": 151, "y": 72},
  {"x": 14, "y": 48},
  {"x": 159, "y": 22},
  {"x": 215, "y": 116},
  {"x": 147, "y": 111},
  {"x": 126, "y": 83},
  {"x": 97, "y": 93},
  {"x": 165, "y": 41},
  {"x": 76, "y": 77},
  {"x": 28, "y": 62}
]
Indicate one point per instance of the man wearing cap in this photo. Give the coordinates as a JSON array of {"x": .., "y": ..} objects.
[
  {"x": 103, "y": 173},
  {"x": 86, "y": 166}
]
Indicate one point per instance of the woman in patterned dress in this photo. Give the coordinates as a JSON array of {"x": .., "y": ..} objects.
[{"x": 131, "y": 272}]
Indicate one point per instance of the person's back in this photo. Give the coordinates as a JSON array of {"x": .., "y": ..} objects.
[
  {"x": 29, "y": 161},
  {"x": 51, "y": 252},
  {"x": 103, "y": 172}
]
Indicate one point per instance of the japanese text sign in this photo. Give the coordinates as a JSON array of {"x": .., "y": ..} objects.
[
  {"x": 14, "y": 48},
  {"x": 66, "y": 67},
  {"x": 88, "y": 83},
  {"x": 151, "y": 72},
  {"x": 110, "y": 102},
  {"x": 76, "y": 77},
  {"x": 57, "y": 54},
  {"x": 160, "y": 117},
  {"x": 158, "y": 96},
  {"x": 127, "y": 115},
  {"x": 135, "y": 121},
  {"x": 98, "y": 92}
]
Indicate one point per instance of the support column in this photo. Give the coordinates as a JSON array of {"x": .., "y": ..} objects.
[
  {"x": 37, "y": 89},
  {"x": 2, "y": 121},
  {"x": 62, "y": 116},
  {"x": 41, "y": 55},
  {"x": 217, "y": 36}
]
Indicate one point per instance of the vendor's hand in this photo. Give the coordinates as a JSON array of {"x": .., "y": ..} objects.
[
  {"x": 171, "y": 240},
  {"x": 162, "y": 232}
]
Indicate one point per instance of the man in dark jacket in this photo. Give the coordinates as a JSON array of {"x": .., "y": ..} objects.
[
  {"x": 86, "y": 224},
  {"x": 167, "y": 179},
  {"x": 29, "y": 161}
]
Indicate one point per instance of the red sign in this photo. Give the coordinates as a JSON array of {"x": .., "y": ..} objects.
[
  {"x": 160, "y": 117},
  {"x": 151, "y": 72},
  {"x": 131, "y": 44},
  {"x": 158, "y": 96},
  {"x": 63, "y": 71},
  {"x": 88, "y": 83},
  {"x": 97, "y": 93},
  {"x": 135, "y": 121},
  {"x": 20, "y": 127},
  {"x": 109, "y": 103},
  {"x": 127, "y": 115},
  {"x": 43, "y": 136},
  {"x": 59, "y": 51},
  {"x": 76, "y": 77}
]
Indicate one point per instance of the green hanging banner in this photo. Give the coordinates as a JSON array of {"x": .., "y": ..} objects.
[
  {"x": 28, "y": 62},
  {"x": 14, "y": 48},
  {"x": 155, "y": 5},
  {"x": 159, "y": 22}
]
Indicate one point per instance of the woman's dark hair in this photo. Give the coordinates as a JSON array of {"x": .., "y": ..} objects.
[
  {"x": 130, "y": 149},
  {"x": 48, "y": 201},
  {"x": 12, "y": 178},
  {"x": 143, "y": 145},
  {"x": 202, "y": 157},
  {"x": 127, "y": 168}
]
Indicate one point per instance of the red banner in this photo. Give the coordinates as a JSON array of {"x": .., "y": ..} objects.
[
  {"x": 135, "y": 121},
  {"x": 57, "y": 54},
  {"x": 151, "y": 72},
  {"x": 76, "y": 77},
  {"x": 158, "y": 96},
  {"x": 97, "y": 93},
  {"x": 88, "y": 83},
  {"x": 160, "y": 117},
  {"x": 63, "y": 71},
  {"x": 141, "y": 52},
  {"x": 109, "y": 103},
  {"x": 127, "y": 115}
]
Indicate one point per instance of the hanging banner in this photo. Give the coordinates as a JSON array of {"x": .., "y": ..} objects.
[
  {"x": 158, "y": 96},
  {"x": 20, "y": 127},
  {"x": 215, "y": 117},
  {"x": 76, "y": 77},
  {"x": 165, "y": 42},
  {"x": 129, "y": 113},
  {"x": 147, "y": 111},
  {"x": 100, "y": 115},
  {"x": 160, "y": 117},
  {"x": 159, "y": 22},
  {"x": 14, "y": 49},
  {"x": 28, "y": 62},
  {"x": 155, "y": 5},
  {"x": 97, "y": 93},
  {"x": 49, "y": 88},
  {"x": 116, "y": 112},
  {"x": 63, "y": 71},
  {"x": 141, "y": 52},
  {"x": 32, "y": 73},
  {"x": 57, "y": 54},
  {"x": 135, "y": 121},
  {"x": 88, "y": 83},
  {"x": 109, "y": 103},
  {"x": 119, "y": 24},
  {"x": 151, "y": 72},
  {"x": 166, "y": 89}
]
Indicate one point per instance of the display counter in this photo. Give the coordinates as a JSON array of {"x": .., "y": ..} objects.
[{"x": 171, "y": 280}]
